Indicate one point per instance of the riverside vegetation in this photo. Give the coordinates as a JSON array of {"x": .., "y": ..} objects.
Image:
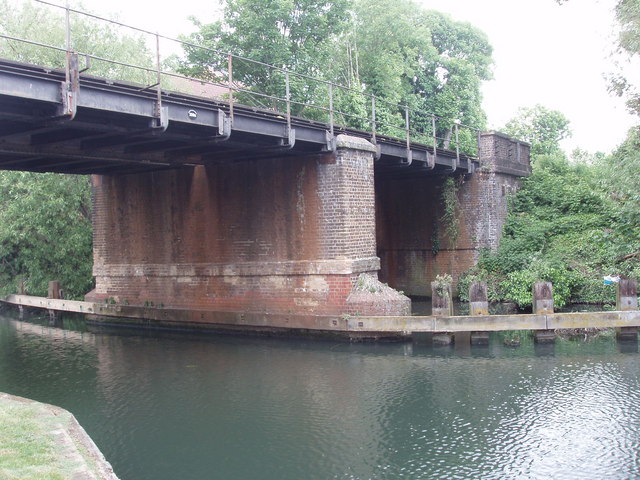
[{"x": 574, "y": 220}]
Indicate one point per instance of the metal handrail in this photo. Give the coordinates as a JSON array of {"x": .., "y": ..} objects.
[{"x": 335, "y": 116}]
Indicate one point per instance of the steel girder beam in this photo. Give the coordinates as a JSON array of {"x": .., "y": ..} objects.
[{"x": 121, "y": 124}]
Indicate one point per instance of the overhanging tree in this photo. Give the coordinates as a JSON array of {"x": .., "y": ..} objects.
[
  {"x": 45, "y": 219},
  {"x": 292, "y": 35},
  {"x": 542, "y": 127},
  {"x": 45, "y": 232},
  {"x": 395, "y": 50}
]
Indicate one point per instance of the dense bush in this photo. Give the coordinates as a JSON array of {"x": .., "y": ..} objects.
[{"x": 570, "y": 224}]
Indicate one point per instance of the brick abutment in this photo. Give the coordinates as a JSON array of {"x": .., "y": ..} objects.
[{"x": 296, "y": 235}]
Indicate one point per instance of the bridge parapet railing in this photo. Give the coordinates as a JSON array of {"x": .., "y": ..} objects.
[{"x": 119, "y": 52}]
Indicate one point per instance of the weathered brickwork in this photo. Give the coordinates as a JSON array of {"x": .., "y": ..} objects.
[
  {"x": 503, "y": 154},
  {"x": 413, "y": 244},
  {"x": 407, "y": 212},
  {"x": 347, "y": 199},
  {"x": 286, "y": 235}
]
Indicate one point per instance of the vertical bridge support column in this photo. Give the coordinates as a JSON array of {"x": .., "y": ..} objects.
[
  {"x": 275, "y": 242},
  {"x": 483, "y": 198}
]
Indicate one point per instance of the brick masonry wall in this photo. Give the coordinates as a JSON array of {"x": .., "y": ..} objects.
[
  {"x": 409, "y": 212},
  {"x": 283, "y": 235}
]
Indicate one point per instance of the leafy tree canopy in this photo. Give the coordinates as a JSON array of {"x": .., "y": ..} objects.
[
  {"x": 542, "y": 127},
  {"x": 389, "y": 48},
  {"x": 618, "y": 174},
  {"x": 45, "y": 232},
  {"x": 628, "y": 16},
  {"x": 46, "y": 25},
  {"x": 295, "y": 35}
]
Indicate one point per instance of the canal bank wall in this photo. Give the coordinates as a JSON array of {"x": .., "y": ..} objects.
[
  {"x": 38, "y": 440},
  {"x": 351, "y": 327}
]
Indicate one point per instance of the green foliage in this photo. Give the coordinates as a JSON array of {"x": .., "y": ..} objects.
[
  {"x": 450, "y": 210},
  {"x": 46, "y": 25},
  {"x": 294, "y": 35},
  {"x": 543, "y": 128},
  {"x": 448, "y": 84},
  {"x": 628, "y": 16},
  {"x": 45, "y": 232},
  {"x": 424, "y": 60},
  {"x": 567, "y": 225},
  {"x": 619, "y": 180},
  {"x": 517, "y": 284}
]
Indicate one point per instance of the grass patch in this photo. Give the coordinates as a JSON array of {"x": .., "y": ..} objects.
[
  {"x": 27, "y": 447},
  {"x": 39, "y": 441}
]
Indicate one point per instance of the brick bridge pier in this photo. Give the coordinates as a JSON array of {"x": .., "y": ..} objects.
[{"x": 298, "y": 241}]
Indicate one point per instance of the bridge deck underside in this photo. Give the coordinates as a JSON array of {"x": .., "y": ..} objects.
[{"x": 117, "y": 128}]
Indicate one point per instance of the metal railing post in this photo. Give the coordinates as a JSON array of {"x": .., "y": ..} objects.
[
  {"x": 331, "y": 108},
  {"x": 288, "y": 99},
  {"x": 373, "y": 118},
  {"x": 435, "y": 137},
  {"x": 457, "y": 145},
  {"x": 408, "y": 131},
  {"x": 406, "y": 122},
  {"x": 158, "y": 76},
  {"x": 67, "y": 27},
  {"x": 230, "y": 86}
]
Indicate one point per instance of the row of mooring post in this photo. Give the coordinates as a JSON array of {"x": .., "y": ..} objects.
[
  {"x": 54, "y": 292},
  {"x": 542, "y": 304}
]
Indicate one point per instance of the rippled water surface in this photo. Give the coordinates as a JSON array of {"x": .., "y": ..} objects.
[{"x": 183, "y": 407}]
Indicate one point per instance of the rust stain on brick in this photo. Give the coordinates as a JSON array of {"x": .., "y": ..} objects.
[{"x": 282, "y": 235}]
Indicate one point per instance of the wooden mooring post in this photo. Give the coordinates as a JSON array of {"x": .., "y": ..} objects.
[
  {"x": 53, "y": 293},
  {"x": 627, "y": 299},
  {"x": 54, "y": 289},
  {"x": 542, "y": 305},
  {"x": 441, "y": 306},
  {"x": 478, "y": 305}
]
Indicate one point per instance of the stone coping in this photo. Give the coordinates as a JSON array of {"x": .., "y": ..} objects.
[
  {"x": 75, "y": 455},
  {"x": 288, "y": 267},
  {"x": 354, "y": 143}
]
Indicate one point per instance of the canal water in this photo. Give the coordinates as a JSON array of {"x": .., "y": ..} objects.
[{"x": 185, "y": 407}]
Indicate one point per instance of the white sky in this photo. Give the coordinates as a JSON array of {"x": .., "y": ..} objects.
[{"x": 544, "y": 53}]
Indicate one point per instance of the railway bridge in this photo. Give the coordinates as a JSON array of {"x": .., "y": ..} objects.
[{"x": 220, "y": 212}]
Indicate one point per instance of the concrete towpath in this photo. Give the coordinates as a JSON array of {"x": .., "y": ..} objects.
[{"x": 43, "y": 441}]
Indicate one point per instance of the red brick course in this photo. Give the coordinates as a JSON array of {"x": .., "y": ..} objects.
[
  {"x": 409, "y": 213},
  {"x": 283, "y": 235}
]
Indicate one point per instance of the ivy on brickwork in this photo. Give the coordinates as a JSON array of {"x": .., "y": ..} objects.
[
  {"x": 435, "y": 238},
  {"x": 448, "y": 221},
  {"x": 450, "y": 211},
  {"x": 442, "y": 285}
]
